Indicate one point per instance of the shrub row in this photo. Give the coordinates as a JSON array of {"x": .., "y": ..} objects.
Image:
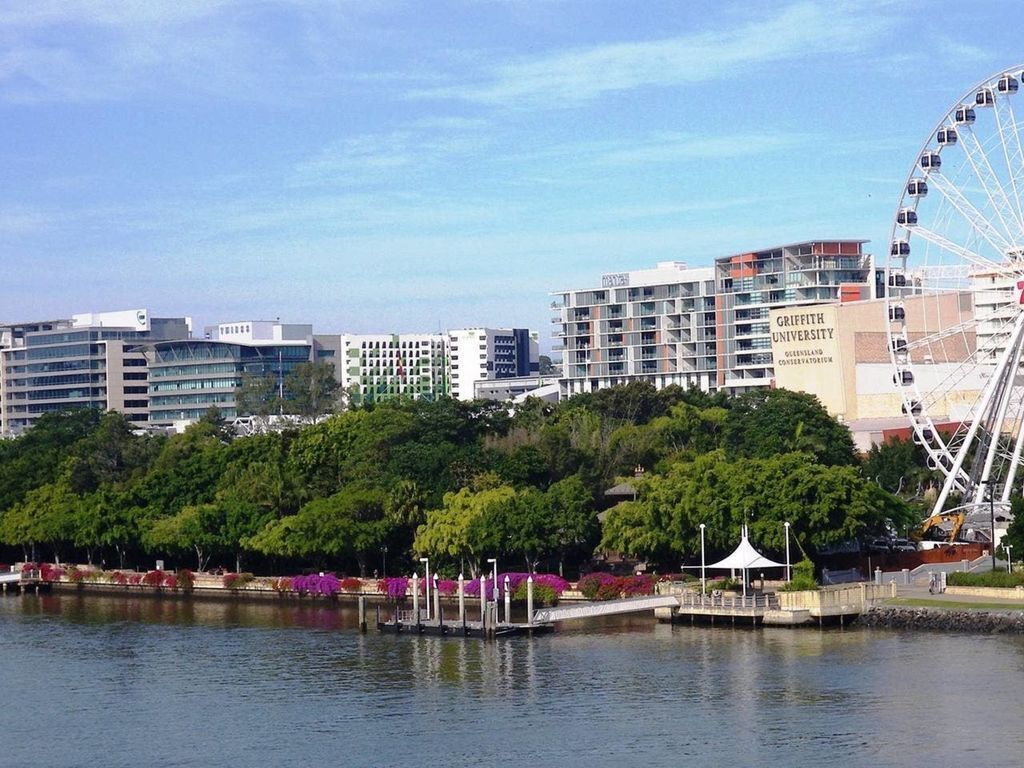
[
  {"x": 987, "y": 579},
  {"x": 605, "y": 586}
]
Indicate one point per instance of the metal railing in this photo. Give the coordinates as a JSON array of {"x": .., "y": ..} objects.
[{"x": 730, "y": 602}]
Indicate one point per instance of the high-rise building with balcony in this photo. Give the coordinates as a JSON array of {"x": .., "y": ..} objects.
[
  {"x": 486, "y": 354},
  {"x": 656, "y": 325},
  {"x": 705, "y": 327},
  {"x": 749, "y": 285}
]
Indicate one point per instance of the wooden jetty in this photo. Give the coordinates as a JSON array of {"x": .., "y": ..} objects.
[
  {"x": 424, "y": 621},
  {"x": 415, "y": 622}
]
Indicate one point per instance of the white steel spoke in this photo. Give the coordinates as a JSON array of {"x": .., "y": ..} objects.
[
  {"x": 1000, "y": 203},
  {"x": 995, "y": 424},
  {"x": 964, "y": 253},
  {"x": 1018, "y": 446},
  {"x": 989, "y": 394},
  {"x": 945, "y": 333},
  {"x": 1013, "y": 152},
  {"x": 968, "y": 366},
  {"x": 971, "y": 215}
]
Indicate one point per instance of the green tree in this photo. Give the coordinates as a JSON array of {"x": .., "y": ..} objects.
[
  {"x": 573, "y": 519},
  {"x": 312, "y": 390},
  {"x": 769, "y": 422},
  {"x": 47, "y": 515},
  {"x": 195, "y": 528},
  {"x": 259, "y": 395},
  {"x": 453, "y": 533}
]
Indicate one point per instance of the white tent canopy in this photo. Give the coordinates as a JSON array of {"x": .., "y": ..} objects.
[{"x": 745, "y": 557}]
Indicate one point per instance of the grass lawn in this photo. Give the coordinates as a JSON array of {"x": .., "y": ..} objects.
[{"x": 954, "y": 605}]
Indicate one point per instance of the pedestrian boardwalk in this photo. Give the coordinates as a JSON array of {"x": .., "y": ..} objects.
[{"x": 604, "y": 608}]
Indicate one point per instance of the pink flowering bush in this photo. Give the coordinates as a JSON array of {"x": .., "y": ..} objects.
[
  {"x": 237, "y": 580},
  {"x": 153, "y": 579},
  {"x": 352, "y": 584},
  {"x": 135, "y": 579},
  {"x": 118, "y": 578},
  {"x": 605, "y": 586},
  {"x": 447, "y": 587}
]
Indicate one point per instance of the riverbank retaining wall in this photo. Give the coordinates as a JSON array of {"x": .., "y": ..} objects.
[{"x": 942, "y": 620}]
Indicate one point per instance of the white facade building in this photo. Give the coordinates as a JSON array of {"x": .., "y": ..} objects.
[
  {"x": 486, "y": 354},
  {"x": 655, "y": 325},
  {"x": 382, "y": 366}
]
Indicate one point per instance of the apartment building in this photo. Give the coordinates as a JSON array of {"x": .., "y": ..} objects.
[
  {"x": 705, "y": 327},
  {"x": 750, "y": 285},
  {"x": 384, "y": 366},
  {"x": 92, "y": 360},
  {"x": 657, "y": 325}
]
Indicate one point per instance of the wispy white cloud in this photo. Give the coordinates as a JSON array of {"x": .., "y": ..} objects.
[
  {"x": 373, "y": 158},
  {"x": 89, "y": 50},
  {"x": 669, "y": 147},
  {"x": 22, "y": 221},
  {"x": 567, "y": 77}
]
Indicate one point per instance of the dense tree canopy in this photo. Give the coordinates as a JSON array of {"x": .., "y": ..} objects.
[{"x": 456, "y": 481}]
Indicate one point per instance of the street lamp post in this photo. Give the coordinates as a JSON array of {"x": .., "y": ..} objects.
[
  {"x": 1009, "y": 559},
  {"x": 494, "y": 570},
  {"x": 788, "y": 575},
  {"x": 991, "y": 518},
  {"x": 426, "y": 563},
  {"x": 703, "y": 581}
]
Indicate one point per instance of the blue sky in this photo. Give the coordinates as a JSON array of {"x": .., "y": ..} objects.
[{"x": 380, "y": 166}]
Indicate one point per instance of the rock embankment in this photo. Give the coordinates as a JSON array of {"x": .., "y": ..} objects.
[{"x": 942, "y": 620}]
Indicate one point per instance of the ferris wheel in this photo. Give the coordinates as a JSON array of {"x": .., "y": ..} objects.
[{"x": 954, "y": 284}]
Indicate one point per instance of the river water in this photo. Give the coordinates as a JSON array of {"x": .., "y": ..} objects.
[{"x": 111, "y": 681}]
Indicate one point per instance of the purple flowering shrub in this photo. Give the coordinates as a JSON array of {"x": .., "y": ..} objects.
[
  {"x": 447, "y": 587},
  {"x": 394, "y": 587},
  {"x": 314, "y": 584}
]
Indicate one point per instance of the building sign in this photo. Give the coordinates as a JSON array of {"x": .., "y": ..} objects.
[
  {"x": 805, "y": 336},
  {"x": 805, "y": 353},
  {"x": 615, "y": 280}
]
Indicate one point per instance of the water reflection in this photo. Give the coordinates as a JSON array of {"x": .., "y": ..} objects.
[{"x": 278, "y": 683}]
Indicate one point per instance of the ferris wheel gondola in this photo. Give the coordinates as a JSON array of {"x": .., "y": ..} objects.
[{"x": 955, "y": 295}]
